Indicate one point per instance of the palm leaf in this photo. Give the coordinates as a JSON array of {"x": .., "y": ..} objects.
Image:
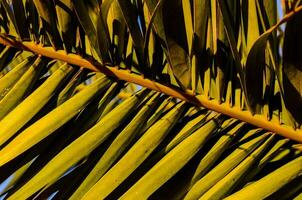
[{"x": 150, "y": 99}]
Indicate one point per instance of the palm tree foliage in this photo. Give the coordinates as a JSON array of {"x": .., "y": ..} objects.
[{"x": 69, "y": 132}]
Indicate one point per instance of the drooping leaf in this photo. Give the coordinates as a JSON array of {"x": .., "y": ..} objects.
[
  {"x": 116, "y": 27},
  {"x": 292, "y": 67},
  {"x": 173, "y": 41},
  {"x": 130, "y": 15},
  {"x": 255, "y": 65},
  {"x": 66, "y": 23},
  {"x": 47, "y": 13},
  {"x": 90, "y": 17},
  {"x": 20, "y": 19},
  {"x": 33, "y": 19}
]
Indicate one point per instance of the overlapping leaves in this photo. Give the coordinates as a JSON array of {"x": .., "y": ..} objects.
[
  {"x": 224, "y": 50},
  {"x": 61, "y": 137},
  {"x": 70, "y": 133}
]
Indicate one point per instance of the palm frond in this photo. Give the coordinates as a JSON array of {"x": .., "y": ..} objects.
[{"x": 151, "y": 99}]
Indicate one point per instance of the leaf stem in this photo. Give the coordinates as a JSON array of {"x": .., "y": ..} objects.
[{"x": 188, "y": 96}]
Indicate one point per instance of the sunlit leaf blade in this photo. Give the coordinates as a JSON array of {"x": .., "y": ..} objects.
[
  {"x": 230, "y": 33},
  {"x": 22, "y": 87},
  {"x": 289, "y": 191},
  {"x": 171, "y": 163},
  {"x": 226, "y": 184},
  {"x": 136, "y": 155},
  {"x": 223, "y": 168},
  {"x": 188, "y": 21},
  {"x": 52, "y": 121},
  {"x": 215, "y": 152},
  {"x": 70, "y": 88},
  {"x": 188, "y": 129},
  {"x": 117, "y": 147},
  {"x": 67, "y": 131},
  {"x": 84, "y": 121},
  {"x": 116, "y": 27},
  {"x": 266, "y": 186},
  {"x": 81, "y": 147},
  {"x": 12, "y": 76},
  {"x": 18, "y": 117},
  {"x": 253, "y": 25}
]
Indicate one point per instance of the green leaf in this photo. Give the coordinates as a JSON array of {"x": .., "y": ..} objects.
[
  {"x": 173, "y": 38},
  {"x": 80, "y": 148},
  {"x": 47, "y": 13},
  {"x": 6, "y": 56},
  {"x": 135, "y": 155},
  {"x": 292, "y": 67},
  {"x": 270, "y": 183},
  {"x": 254, "y": 69},
  {"x": 116, "y": 27},
  {"x": 66, "y": 23},
  {"x": 230, "y": 181},
  {"x": 51, "y": 122},
  {"x": 117, "y": 147},
  {"x": 69, "y": 89},
  {"x": 9, "y": 19},
  {"x": 201, "y": 14},
  {"x": 290, "y": 191},
  {"x": 189, "y": 128},
  {"x": 131, "y": 18},
  {"x": 216, "y": 151},
  {"x": 18, "y": 117},
  {"x": 231, "y": 36},
  {"x": 20, "y": 19},
  {"x": 188, "y": 20},
  {"x": 171, "y": 163},
  {"x": 22, "y": 87},
  {"x": 223, "y": 168},
  {"x": 33, "y": 20},
  {"x": 10, "y": 79},
  {"x": 19, "y": 57},
  {"x": 252, "y": 24},
  {"x": 90, "y": 17}
]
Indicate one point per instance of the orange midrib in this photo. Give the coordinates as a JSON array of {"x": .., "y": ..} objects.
[{"x": 199, "y": 100}]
